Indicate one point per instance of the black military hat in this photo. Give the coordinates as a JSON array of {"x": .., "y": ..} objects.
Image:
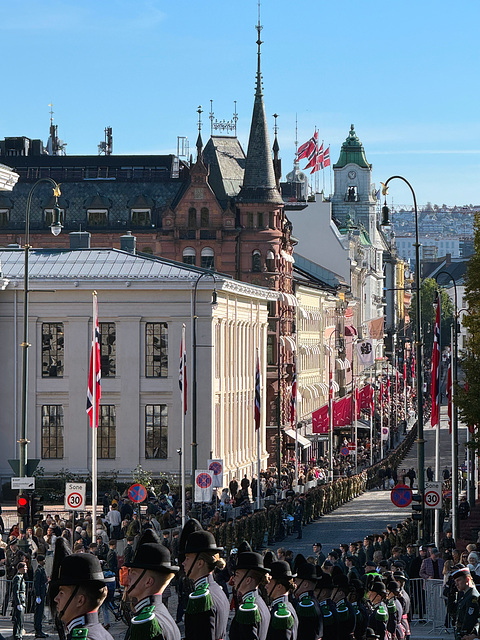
[
  {"x": 370, "y": 634},
  {"x": 200, "y": 542},
  {"x": 251, "y": 561},
  {"x": 324, "y": 581},
  {"x": 268, "y": 558},
  {"x": 280, "y": 570},
  {"x": 460, "y": 572},
  {"x": 188, "y": 528},
  {"x": 377, "y": 586},
  {"x": 393, "y": 586},
  {"x": 306, "y": 571},
  {"x": 340, "y": 580},
  {"x": 399, "y": 575},
  {"x": 244, "y": 546},
  {"x": 152, "y": 554},
  {"x": 80, "y": 568}
]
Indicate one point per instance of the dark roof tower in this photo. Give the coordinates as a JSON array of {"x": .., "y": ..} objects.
[{"x": 259, "y": 183}]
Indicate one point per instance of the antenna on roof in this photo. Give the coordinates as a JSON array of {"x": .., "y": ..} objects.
[
  {"x": 235, "y": 117},
  {"x": 55, "y": 146},
  {"x": 106, "y": 146},
  {"x": 211, "y": 116},
  {"x": 259, "y": 43},
  {"x": 296, "y": 139},
  {"x": 199, "y": 111}
]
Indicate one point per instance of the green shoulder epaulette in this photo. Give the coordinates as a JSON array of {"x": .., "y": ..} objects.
[
  {"x": 381, "y": 613},
  {"x": 80, "y": 633},
  {"x": 327, "y": 614},
  {"x": 343, "y": 611},
  {"x": 391, "y": 605},
  {"x": 306, "y": 607},
  {"x": 199, "y": 600},
  {"x": 282, "y": 618},
  {"x": 145, "y": 626},
  {"x": 248, "y": 612}
]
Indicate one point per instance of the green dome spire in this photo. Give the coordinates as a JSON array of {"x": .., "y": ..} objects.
[{"x": 352, "y": 151}]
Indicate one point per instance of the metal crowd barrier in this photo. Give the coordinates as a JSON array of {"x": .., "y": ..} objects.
[
  {"x": 6, "y": 599},
  {"x": 427, "y": 602}
]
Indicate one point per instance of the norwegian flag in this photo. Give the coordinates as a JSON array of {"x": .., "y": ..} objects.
[
  {"x": 326, "y": 157},
  {"x": 449, "y": 396},
  {"x": 404, "y": 373},
  {"x": 435, "y": 387},
  {"x": 413, "y": 366},
  {"x": 95, "y": 370},
  {"x": 312, "y": 156},
  {"x": 306, "y": 149},
  {"x": 182, "y": 372},
  {"x": 319, "y": 160},
  {"x": 293, "y": 398},
  {"x": 257, "y": 395},
  {"x": 372, "y": 399}
]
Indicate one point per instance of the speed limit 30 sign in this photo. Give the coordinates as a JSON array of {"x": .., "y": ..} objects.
[
  {"x": 433, "y": 495},
  {"x": 75, "y": 496}
]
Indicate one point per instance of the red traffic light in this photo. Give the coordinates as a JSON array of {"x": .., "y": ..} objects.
[
  {"x": 22, "y": 502},
  {"x": 23, "y": 506}
]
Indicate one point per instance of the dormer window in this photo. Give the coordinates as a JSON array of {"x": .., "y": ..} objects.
[
  {"x": 48, "y": 217},
  {"x": 141, "y": 217},
  {"x": 192, "y": 218},
  {"x": 204, "y": 217},
  {"x": 97, "y": 217},
  {"x": 4, "y": 217}
]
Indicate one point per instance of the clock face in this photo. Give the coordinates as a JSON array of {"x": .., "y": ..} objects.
[{"x": 352, "y": 174}]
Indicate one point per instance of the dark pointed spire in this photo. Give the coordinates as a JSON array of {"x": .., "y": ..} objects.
[
  {"x": 199, "y": 139},
  {"x": 259, "y": 184},
  {"x": 277, "y": 163}
]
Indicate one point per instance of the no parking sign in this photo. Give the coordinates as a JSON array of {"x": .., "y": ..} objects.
[
  {"x": 216, "y": 469},
  {"x": 203, "y": 486}
]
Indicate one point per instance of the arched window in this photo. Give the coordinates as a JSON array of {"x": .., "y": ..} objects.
[
  {"x": 256, "y": 261},
  {"x": 192, "y": 218},
  {"x": 189, "y": 255},
  {"x": 204, "y": 217},
  {"x": 270, "y": 261},
  {"x": 207, "y": 258}
]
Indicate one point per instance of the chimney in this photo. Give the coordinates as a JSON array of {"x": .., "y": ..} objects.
[
  {"x": 448, "y": 259},
  {"x": 79, "y": 240},
  {"x": 128, "y": 242}
]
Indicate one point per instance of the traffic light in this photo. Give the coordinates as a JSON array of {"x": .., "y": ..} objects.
[
  {"x": 418, "y": 509},
  {"x": 36, "y": 508},
  {"x": 23, "y": 506}
]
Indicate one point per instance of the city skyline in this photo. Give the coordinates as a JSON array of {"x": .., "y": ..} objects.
[{"x": 143, "y": 69}]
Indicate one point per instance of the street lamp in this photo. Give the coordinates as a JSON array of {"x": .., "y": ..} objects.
[
  {"x": 418, "y": 342},
  {"x": 214, "y": 304},
  {"x": 455, "y": 409},
  {"x": 56, "y": 227}
]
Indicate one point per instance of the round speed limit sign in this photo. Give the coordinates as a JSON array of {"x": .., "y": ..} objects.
[
  {"x": 75, "y": 496},
  {"x": 432, "y": 499}
]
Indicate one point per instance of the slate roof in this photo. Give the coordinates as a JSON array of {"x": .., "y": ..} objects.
[
  {"x": 225, "y": 159},
  {"x": 457, "y": 268},
  {"x": 93, "y": 264}
]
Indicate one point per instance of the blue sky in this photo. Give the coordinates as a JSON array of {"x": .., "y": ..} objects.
[{"x": 405, "y": 73}]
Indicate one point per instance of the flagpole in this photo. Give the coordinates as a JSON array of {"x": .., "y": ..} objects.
[
  {"x": 381, "y": 414},
  {"x": 94, "y": 418},
  {"x": 182, "y": 455},
  {"x": 258, "y": 440},
  {"x": 454, "y": 469},
  {"x": 294, "y": 410},
  {"x": 323, "y": 176},
  {"x": 372, "y": 396},
  {"x": 437, "y": 433},
  {"x": 355, "y": 406}
]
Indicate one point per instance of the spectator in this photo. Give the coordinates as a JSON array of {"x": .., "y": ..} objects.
[
  {"x": 233, "y": 486},
  {"x": 432, "y": 567},
  {"x": 40, "y": 582}
]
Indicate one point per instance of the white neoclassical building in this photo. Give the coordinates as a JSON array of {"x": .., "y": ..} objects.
[{"x": 142, "y": 304}]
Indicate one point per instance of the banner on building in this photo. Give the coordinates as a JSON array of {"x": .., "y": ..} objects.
[
  {"x": 203, "y": 486},
  {"x": 385, "y": 433},
  {"x": 375, "y": 328},
  {"x": 365, "y": 353},
  {"x": 215, "y": 467}
]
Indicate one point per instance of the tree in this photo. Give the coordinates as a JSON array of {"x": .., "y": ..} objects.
[
  {"x": 428, "y": 290},
  {"x": 468, "y": 396}
]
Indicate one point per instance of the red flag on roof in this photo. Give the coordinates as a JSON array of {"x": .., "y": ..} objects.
[
  {"x": 312, "y": 156},
  {"x": 305, "y": 149},
  {"x": 319, "y": 160},
  {"x": 326, "y": 157}
]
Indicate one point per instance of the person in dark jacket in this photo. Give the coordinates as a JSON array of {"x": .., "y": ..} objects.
[
  {"x": 252, "y": 616},
  {"x": 310, "y": 620},
  {"x": 40, "y": 582},
  {"x": 129, "y": 550},
  {"x": 233, "y": 486},
  {"x": 206, "y": 615},
  {"x": 112, "y": 557},
  {"x": 283, "y": 618},
  {"x": 19, "y": 600}
]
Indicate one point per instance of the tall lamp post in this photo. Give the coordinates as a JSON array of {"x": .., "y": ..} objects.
[
  {"x": 194, "y": 365},
  {"x": 418, "y": 344},
  {"x": 56, "y": 228},
  {"x": 455, "y": 409}
]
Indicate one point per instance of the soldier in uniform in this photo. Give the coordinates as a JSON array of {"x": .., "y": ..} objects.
[
  {"x": 395, "y": 611},
  {"x": 404, "y": 599},
  {"x": 310, "y": 622},
  {"x": 76, "y": 592},
  {"x": 283, "y": 618},
  {"x": 252, "y": 616},
  {"x": 18, "y": 600},
  {"x": 323, "y": 592},
  {"x": 206, "y": 615},
  {"x": 467, "y": 605},
  {"x": 149, "y": 573},
  {"x": 345, "y": 610},
  {"x": 378, "y": 614}
]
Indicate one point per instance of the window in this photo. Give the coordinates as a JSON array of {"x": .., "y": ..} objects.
[
  {"x": 189, "y": 256},
  {"x": 106, "y": 435},
  {"x": 4, "y": 217},
  {"x": 204, "y": 217},
  {"x": 271, "y": 351},
  {"x": 48, "y": 216},
  {"x": 156, "y": 350},
  {"x": 207, "y": 258},
  {"x": 249, "y": 220},
  {"x": 52, "y": 350},
  {"x": 141, "y": 217},
  {"x": 97, "y": 217},
  {"x": 192, "y": 218},
  {"x": 52, "y": 431},
  {"x": 256, "y": 261},
  {"x": 108, "y": 349},
  {"x": 260, "y": 224},
  {"x": 270, "y": 261},
  {"x": 271, "y": 220},
  {"x": 156, "y": 431}
]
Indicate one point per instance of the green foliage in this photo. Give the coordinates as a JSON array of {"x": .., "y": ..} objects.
[
  {"x": 142, "y": 476},
  {"x": 428, "y": 290},
  {"x": 468, "y": 402}
]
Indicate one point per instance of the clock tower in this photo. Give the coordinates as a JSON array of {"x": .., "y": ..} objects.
[{"x": 353, "y": 195}]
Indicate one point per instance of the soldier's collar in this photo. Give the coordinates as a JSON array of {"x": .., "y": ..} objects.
[
  {"x": 76, "y": 622},
  {"x": 280, "y": 599},
  {"x": 250, "y": 594},
  {"x": 201, "y": 581},
  {"x": 144, "y": 602}
]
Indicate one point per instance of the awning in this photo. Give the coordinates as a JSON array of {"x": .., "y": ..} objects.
[
  {"x": 302, "y": 441},
  {"x": 350, "y": 330},
  {"x": 288, "y": 343},
  {"x": 342, "y": 364},
  {"x": 289, "y": 299},
  {"x": 323, "y": 387}
]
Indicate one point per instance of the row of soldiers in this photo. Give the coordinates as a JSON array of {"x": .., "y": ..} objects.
[{"x": 270, "y": 602}]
